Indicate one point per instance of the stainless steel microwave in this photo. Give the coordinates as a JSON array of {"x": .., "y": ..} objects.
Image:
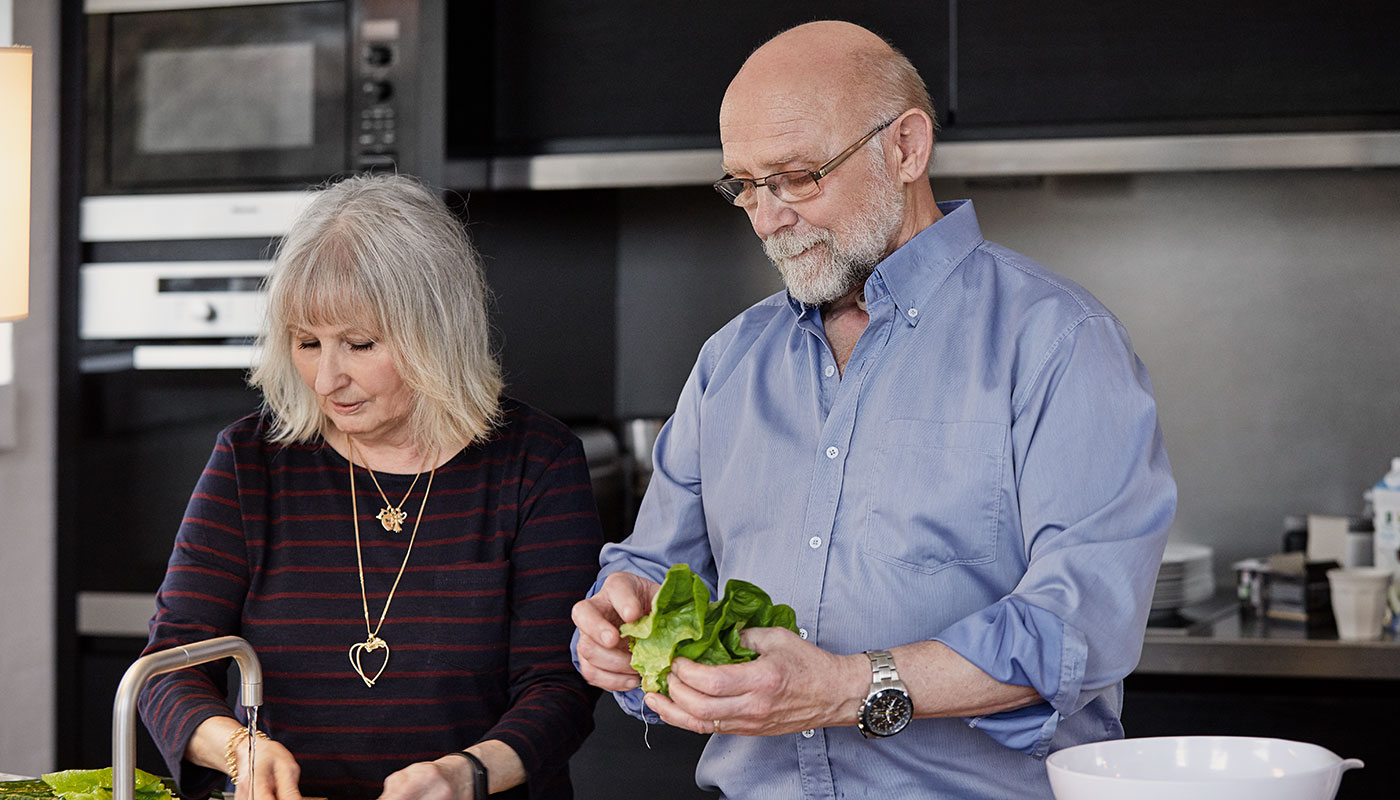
[{"x": 214, "y": 95}]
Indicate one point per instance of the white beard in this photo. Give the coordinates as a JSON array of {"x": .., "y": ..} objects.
[{"x": 819, "y": 265}]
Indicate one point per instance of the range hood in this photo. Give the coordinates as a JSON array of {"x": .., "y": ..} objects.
[{"x": 965, "y": 159}]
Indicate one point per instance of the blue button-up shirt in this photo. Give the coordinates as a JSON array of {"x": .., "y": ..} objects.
[{"x": 988, "y": 473}]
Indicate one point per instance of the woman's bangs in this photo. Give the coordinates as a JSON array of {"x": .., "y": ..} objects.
[{"x": 327, "y": 292}]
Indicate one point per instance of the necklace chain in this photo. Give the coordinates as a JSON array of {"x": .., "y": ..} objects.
[
  {"x": 372, "y": 640},
  {"x": 392, "y": 516}
]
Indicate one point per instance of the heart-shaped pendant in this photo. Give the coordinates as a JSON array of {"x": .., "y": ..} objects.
[{"x": 368, "y": 646}]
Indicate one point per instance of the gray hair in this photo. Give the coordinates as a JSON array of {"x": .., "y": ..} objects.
[
  {"x": 895, "y": 87},
  {"x": 384, "y": 254}
]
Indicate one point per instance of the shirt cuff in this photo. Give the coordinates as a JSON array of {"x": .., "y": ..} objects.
[
  {"x": 1023, "y": 645},
  {"x": 631, "y": 702}
]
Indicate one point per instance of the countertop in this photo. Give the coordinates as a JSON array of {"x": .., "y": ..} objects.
[{"x": 1214, "y": 638}]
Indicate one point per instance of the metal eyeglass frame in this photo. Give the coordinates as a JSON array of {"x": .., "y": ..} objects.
[{"x": 732, "y": 188}]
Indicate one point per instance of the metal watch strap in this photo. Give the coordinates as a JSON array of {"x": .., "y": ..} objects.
[
  {"x": 885, "y": 689},
  {"x": 882, "y": 666}
]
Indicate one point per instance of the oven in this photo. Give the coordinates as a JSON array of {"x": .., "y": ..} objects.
[{"x": 202, "y": 95}]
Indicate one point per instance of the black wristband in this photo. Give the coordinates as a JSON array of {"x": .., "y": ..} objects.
[{"x": 479, "y": 775}]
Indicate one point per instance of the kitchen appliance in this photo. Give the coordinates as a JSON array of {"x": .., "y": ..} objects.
[
  {"x": 1198, "y": 767},
  {"x": 211, "y": 94}
]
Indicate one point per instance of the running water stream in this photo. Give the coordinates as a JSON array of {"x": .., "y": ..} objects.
[{"x": 252, "y": 712}]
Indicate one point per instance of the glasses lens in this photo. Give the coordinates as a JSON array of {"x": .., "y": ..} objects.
[
  {"x": 790, "y": 186},
  {"x": 736, "y": 190}
]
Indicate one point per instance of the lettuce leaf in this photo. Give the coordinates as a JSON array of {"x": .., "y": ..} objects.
[
  {"x": 677, "y": 615},
  {"x": 96, "y": 784},
  {"x": 684, "y": 622}
]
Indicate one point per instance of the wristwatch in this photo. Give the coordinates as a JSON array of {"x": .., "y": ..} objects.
[{"x": 886, "y": 709}]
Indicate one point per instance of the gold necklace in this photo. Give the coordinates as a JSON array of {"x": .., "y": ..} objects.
[
  {"x": 372, "y": 641},
  {"x": 392, "y": 516}
]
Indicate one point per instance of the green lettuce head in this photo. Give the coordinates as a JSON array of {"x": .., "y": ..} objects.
[{"x": 684, "y": 622}]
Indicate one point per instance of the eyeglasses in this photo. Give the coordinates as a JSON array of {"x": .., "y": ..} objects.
[{"x": 792, "y": 185}]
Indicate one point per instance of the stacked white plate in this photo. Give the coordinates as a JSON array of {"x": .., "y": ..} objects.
[{"x": 1185, "y": 577}]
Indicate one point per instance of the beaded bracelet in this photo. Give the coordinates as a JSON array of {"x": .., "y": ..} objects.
[
  {"x": 479, "y": 775},
  {"x": 231, "y": 752}
]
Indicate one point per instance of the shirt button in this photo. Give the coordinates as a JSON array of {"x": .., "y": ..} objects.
[
  {"x": 830, "y": 370},
  {"x": 807, "y": 734},
  {"x": 832, "y": 452},
  {"x": 913, "y": 312},
  {"x": 814, "y": 542},
  {"x": 802, "y": 632}
]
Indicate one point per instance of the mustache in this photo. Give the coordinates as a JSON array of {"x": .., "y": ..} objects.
[{"x": 790, "y": 243}]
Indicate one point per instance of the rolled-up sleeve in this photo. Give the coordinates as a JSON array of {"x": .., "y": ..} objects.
[{"x": 1096, "y": 498}]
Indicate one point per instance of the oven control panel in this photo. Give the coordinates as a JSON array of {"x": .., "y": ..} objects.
[{"x": 171, "y": 300}]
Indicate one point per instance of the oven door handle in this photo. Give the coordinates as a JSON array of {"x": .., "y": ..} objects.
[{"x": 173, "y": 356}]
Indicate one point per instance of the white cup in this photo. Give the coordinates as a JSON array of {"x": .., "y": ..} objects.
[{"x": 1359, "y": 601}]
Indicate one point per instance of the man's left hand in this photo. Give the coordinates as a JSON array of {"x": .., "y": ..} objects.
[{"x": 792, "y": 686}]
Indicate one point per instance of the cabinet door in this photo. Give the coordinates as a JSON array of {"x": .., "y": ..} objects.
[
  {"x": 614, "y": 74},
  {"x": 1191, "y": 65}
]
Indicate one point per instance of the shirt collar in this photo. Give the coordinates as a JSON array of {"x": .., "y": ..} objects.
[{"x": 911, "y": 274}]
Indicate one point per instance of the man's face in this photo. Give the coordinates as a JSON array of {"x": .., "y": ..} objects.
[{"x": 823, "y": 246}]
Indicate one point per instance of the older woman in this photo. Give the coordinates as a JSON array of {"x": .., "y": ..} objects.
[{"x": 400, "y": 544}]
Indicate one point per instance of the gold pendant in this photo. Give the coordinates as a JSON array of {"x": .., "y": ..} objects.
[
  {"x": 369, "y": 645},
  {"x": 392, "y": 518}
]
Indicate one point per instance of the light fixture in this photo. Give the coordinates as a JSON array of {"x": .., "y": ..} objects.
[{"x": 16, "y": 93}]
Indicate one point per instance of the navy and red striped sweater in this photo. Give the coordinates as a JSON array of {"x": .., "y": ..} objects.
[{"x": 478, "y": 631}]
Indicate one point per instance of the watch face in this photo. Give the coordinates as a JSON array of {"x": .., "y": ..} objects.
[{"x": 888, "y": 712}]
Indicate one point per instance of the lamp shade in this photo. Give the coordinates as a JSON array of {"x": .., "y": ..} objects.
[{"x": 16, "y": 93}]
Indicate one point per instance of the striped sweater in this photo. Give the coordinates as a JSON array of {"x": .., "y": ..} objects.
[{"x": 478, "y": 630}]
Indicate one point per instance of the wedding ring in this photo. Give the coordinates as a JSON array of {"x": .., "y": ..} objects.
[{"x": 716, "y": 726}]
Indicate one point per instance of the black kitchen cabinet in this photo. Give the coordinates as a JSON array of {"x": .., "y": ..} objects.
[
  {"x": 1090, "y": 67},
  {"x": 1347, "y": 716},
  {"x": 618, "y": 75},
  {"x": 550, "y": 260},
  {"x": 102, "y": 661},
  {"x": 650, "y": 74}
]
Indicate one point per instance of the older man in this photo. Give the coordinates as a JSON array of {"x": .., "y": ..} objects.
[{"x": 943, "y": 456}]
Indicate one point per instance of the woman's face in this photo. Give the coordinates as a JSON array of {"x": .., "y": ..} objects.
[{"x": 357, "y": 385}]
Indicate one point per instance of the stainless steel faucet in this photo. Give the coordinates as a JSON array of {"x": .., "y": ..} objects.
[{"x": 159, "y": 663}]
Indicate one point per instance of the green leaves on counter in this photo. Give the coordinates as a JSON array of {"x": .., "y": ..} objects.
[
  {"x": 96, "y": 784},
  {"x": 684, "y": 622}
]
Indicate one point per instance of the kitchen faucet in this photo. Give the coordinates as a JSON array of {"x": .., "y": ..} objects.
[{"x": 159, "y": 663}]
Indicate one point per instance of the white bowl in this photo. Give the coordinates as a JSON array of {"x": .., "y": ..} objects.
[{"x": 1197, "y": 768}]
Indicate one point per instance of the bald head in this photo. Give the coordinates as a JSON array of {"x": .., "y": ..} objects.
[
  {"x": 832, "y": 71},
  {"x": 800, "y": 101}
]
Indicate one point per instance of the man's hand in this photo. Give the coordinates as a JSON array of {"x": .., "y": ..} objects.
[
  {"x": 604, "y": 659},
  {"x": 791, "y": 686}
]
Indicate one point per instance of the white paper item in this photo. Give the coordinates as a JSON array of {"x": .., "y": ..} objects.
[{"x": 1327, "y": 538}]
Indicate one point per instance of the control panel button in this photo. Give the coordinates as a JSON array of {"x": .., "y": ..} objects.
[
  {"x": 378, "y": 91},
  {"x": 379, "y": 55}
]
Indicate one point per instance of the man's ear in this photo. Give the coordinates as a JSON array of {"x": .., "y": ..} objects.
[{"x": 913, "y": 137}]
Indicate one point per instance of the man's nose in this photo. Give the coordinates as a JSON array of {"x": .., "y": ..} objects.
[{"x": 768, "y": 214}]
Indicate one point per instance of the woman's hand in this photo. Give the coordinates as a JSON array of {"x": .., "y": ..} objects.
[
  {"x": 604, "y": 659},
  {"x": 447, "y": 778},
  {"x": 451, "y": 777},
  {"x": 275, "y": 772}
]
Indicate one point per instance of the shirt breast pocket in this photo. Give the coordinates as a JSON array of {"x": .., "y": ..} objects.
[{"x": 935, "y": 502}]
